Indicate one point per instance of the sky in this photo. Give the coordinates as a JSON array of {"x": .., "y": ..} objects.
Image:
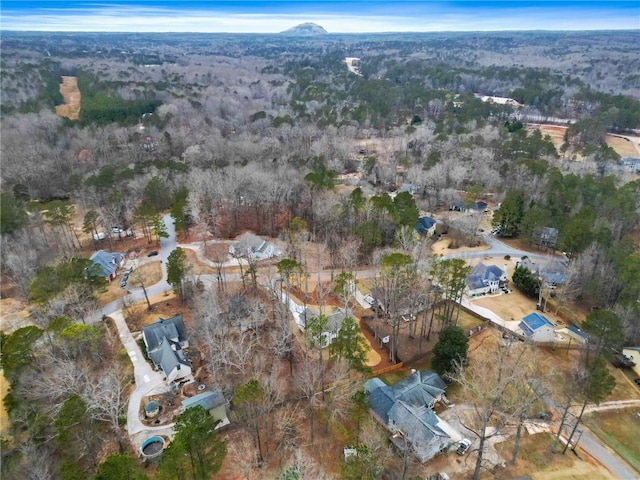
[{"x": 352, "y": 16}]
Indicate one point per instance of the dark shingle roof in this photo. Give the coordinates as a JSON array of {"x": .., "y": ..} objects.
[
  {"x": 418, "y": 389},
  {"x": 168, "y": 358},
  {"x": 424, "y": 224},
  {"x": 482, "y": 274},
  {"x": 419, "y": 425},
  {"x": 172, "y": 328},
  {"x": 108, "y": 261},
  {"x": 163, "y": 339}
]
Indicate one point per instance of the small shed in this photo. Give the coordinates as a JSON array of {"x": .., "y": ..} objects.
[
  {"x": 538, "y": 328},
  {"x": 213, "y": 402}
]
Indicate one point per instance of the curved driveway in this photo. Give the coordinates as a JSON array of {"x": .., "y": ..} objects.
[{"x": 148, "y": 380}]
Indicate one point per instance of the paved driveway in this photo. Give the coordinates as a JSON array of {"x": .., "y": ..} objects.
[{"x": 148, "y": 381}]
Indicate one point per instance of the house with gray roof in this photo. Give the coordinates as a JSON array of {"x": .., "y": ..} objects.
[
  {"x": 334, "y": 322},
  {"x": 254, "y": 247},
  {"x": 109, "y": 262},
  {"x": 165, "y": 341},
  {"x": 419, "y": 427},
  {"x": 485, "y": 279},
  {"x": 405, "y": 409},
  {"x": 552, "y": 270},
  {"x": 214, "y": 404},
  {"x": 547, "y": 237}
]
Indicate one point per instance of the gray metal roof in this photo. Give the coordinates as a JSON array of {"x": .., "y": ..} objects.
[{"x": 207, "y": 400}]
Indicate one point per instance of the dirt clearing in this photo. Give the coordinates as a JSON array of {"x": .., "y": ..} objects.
[
  {"x": 624, "y": 146},
  {"x": 71, "y": 94}
]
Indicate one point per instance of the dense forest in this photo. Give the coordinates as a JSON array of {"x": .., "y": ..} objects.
[{"x": 267, "y": 133}]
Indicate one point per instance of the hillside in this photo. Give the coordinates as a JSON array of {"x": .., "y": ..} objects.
[{"x": 305, "y": 30}]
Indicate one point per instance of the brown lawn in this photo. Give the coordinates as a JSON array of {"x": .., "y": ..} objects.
[
  {"x": 149, "y": 273},
  {"x": 536, "y": 460},
  {"x": 197, "y": 267},
  {"x": 620, "y": 429},
  {"x": 623, "y": 146},
  {"x": 71, "y": 94}
]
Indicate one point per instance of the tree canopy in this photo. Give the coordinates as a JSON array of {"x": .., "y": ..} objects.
[
  {"x": 197, "y": 451},
  {"x": 450, "y": 350}
]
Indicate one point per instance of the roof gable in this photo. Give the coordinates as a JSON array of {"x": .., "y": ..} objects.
[
  {"x": 108, "y": 261},
  {"x": 482, "y": 275},
  {"x": 171, "y": 328},
  {"x": 419, "y": 424},
  {"x": 168, "y": 357}
]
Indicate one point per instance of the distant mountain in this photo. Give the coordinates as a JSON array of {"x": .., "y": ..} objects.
[{"x": 305, "y": 30}]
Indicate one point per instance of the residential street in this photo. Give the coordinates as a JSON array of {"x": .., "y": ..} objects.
[{"x": 148, "y": 380}]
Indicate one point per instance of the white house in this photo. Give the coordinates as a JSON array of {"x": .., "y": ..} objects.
[
  {"x": 485, "y": 279},
  {"x": 538, "y": 328},
  {"x": 250, "y": 245}
]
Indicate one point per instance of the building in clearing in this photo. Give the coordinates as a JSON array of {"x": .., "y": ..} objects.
[
  {"x": 426, "y": 226},
  {"x": 213, "y": 403},
  {"x": 538, "y": 328},
  {"x": 253, "y": 247}
]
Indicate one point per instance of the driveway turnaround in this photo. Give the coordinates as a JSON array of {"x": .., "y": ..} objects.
[{"x": 148, "y": 381}]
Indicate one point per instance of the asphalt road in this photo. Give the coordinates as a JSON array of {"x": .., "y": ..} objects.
[{"x": 496, "y": 249}]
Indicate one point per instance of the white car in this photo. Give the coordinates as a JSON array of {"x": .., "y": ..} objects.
[{"x": 463, "y": 446}]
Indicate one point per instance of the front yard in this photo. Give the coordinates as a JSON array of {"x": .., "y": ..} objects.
[{"x": 620, "y": 430}]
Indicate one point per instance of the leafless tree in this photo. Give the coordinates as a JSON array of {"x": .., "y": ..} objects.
[
  {"x": 487, "y": 381},
  {"x": 308, "y": 381},
  {"x": 105, "y": 397}
]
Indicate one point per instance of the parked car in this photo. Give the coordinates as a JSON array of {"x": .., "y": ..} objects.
[
  {"x": 463, "y": 446},
  {"x": 622, "y": 361},
  {"x": 98, "y": 236},
  {"x": 152, "y": 253},
  {"x": 637, "y": 381}
]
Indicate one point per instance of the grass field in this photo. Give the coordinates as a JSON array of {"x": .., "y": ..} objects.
[
  {"x": 150, "y": 273},
  {"x": 620, "y": 429},
  {"x": 535, "y": 456}
]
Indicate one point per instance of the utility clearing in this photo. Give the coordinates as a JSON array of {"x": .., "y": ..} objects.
[{"x": 69, "y": 90}]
